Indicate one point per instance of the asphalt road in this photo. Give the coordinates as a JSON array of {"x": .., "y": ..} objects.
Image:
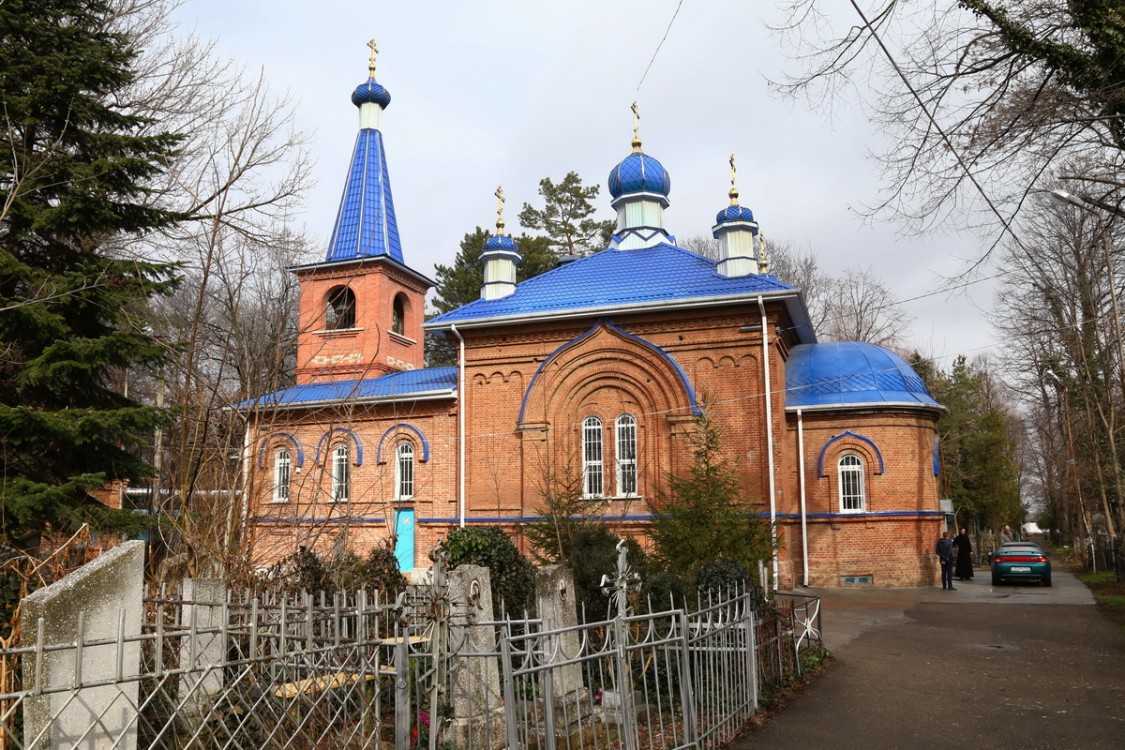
[{"x": 1016, "y": 666}]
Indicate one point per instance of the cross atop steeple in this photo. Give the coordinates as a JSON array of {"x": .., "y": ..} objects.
[
  {"x": 374, "y": 51},
  {"x": 733, "y": 190},
  {"x": 499, "y": 209},
  {"x": 636, "y": 127}
]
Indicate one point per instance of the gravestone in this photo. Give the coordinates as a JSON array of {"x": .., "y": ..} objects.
[
  {"x": 554, "y": 598},
  {"x": 203, "y": 651},
  {"x": 100, "y": 600},
  {"x": 475, "y": 701}
]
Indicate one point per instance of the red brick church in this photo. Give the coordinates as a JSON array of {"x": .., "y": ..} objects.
[{"x": 598, "y": 366}]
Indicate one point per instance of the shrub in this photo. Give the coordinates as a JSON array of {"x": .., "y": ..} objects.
[{"x": 510, "y": 573}]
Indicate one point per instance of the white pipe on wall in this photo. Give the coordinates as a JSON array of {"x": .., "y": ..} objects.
[
  {"x": 460, "y": 426},
  {"x": 769, "y": 437},
  {"x": 801, "y": 483}
]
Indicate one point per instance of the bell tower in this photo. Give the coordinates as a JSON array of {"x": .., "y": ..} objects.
[{"x": 362, "y": 308}]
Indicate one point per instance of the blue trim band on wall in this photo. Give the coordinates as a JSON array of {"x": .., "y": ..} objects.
[
  {"x": 270, "y": 520},
  {"x": 265, "y": 441},
  {"x": 355, "y": 439},
  {"x": 405, "y": 426},
  {"x": 841, "y": 436}
]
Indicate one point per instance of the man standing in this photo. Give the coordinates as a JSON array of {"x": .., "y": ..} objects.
[
  {"x": 1006, "y": 534},
  {"x": 945, "y": 557}
]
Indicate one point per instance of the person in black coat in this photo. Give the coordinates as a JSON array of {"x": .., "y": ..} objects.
[{"x": 964, "y": 549}]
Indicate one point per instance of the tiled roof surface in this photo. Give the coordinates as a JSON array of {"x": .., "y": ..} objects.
[
  {"x": 366, "y": 224},
  {"x": 396, "y": 385},
  {"x": 615, "y": 278},
  {"x": 639, "y": 173},
  {"x": 850, "y": 373}
]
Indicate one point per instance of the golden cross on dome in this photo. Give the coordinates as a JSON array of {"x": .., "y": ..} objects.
[
  {"x": 499, "y": 209},
  {"x": 374, "y": 51},
  {"x": 636, "y": 127},
  {"x": 733, "y": 190}
]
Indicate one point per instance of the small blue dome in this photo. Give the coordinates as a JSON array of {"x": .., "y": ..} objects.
[
  {"x": 502, "y": 242},
  {"x": 851, "y": 373},
  {"x": 371, "y": 92},
  {"x": 734, "y": 213},
  {"x": 639, "y": 173}
]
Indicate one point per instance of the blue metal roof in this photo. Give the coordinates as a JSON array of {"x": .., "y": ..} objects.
[
  {"x": 371, "y": 92},
  {"x": 394, "y": 387},
  {"x": 851, "y": 373},
  {"x": 366, "y": 224},
  {"x": 734, "y": 212},
  {"x": 639, "y": 173},
  {"x": 653, "y": 276}
]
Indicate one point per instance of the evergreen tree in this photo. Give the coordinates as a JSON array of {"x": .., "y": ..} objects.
[
  {"x": 565, "y": 219},
  {"x": 980, "y": 465},
  {"x": 73, "y": 170},
  {"x": 706, "y": 515},
  {"x": 460, "y": 284}
]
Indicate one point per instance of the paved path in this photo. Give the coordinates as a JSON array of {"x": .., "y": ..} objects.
[{"x": 980, "y": 667}]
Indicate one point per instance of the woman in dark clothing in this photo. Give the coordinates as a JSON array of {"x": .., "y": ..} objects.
[{"x": 964, "y": 548}]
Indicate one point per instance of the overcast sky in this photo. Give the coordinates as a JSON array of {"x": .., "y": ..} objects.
[{"x": 506, "y": 92}]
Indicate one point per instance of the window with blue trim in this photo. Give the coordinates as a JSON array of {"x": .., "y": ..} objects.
[
  {"x": 282, "y": 468},
  {"x": 404, "y": 471},
  {"x": 341, "y": 476},
  {"x": 853, "y": 497},
  {"x": 625, "y": 451},
  {"x": 593, "y": 471}
]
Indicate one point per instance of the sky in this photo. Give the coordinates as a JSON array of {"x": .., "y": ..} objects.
[{"x": 507, "y": 92}]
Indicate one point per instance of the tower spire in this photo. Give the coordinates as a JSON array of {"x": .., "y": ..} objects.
[
  {"x": 499, "y": 209},
  {"x": 733, "y": 189}
]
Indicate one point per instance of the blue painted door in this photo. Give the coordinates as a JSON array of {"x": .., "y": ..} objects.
[{"x": 404, "y": 539}]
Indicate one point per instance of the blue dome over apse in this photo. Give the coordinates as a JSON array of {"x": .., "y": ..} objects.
[
  {"x": 851, "y": 373},
  {"x": 371, "y": 92},
  {"x": 734, "y": 213},
  {"x": 639, "y": 173}
]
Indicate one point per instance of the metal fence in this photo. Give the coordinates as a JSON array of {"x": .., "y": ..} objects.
[{"x": 352, "y": 671}]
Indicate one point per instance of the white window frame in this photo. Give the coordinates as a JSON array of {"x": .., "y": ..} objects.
[
  {"x": 593, "y": 458},
  {"x": 625, "y": 453},
  {"x": 851, "y": 473},
  {"x": 282, "y": 475},
  {"x": 341, "y": 475},
  {"x": 404, "y": 471}
]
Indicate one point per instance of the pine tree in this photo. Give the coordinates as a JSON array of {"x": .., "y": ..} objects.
[
  {"x": 706, "y": 515},
  {"x": 460, "y": 283},
  {"x": 73, "y": 169},
  {"x": 565, "y": 219}
]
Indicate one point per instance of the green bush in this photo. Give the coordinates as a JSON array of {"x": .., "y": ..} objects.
[
  {"x": 512, "y": 576},
  {"x": 378, "y": 571},
  {"x": 721, "y": 575}
]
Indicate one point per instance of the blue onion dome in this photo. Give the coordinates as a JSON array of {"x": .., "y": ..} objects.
[
  {"x": 370, "y": 92},
  {"x": 500, "y": 242},
  {"x": 639, "y": 173},
  {"x": 734, "y": 213}
]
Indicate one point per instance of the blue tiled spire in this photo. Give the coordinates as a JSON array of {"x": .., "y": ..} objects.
[{"x": 366, "y": 224}]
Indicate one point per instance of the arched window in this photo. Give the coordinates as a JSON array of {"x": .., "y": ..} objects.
[
  {"x": 852, "y": 497},
  {"x": 593, "y": 483},
  {"x": 404, "y": 471},
  {"x": 341, "y": 479},
  {"x": 626, "y": 453},
  {"x": 340, "y": 311},
  {"x": 398, "y": 315},
  {"x": 282, "y": 466}
]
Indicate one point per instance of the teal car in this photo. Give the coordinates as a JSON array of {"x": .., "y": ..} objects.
[{"x": 1020, "y": 561}]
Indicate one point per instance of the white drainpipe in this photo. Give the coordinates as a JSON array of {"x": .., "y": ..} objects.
[
  {"x": 769, "y": 438},
  {"x": 801, "y": 482},
  {"x": 460, "y": 425}
]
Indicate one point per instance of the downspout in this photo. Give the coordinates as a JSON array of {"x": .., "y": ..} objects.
[
  {"x": 801, "y": 484},
  {"x": 769, "y": 439},
  {"x": 460, "y": 425}
]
